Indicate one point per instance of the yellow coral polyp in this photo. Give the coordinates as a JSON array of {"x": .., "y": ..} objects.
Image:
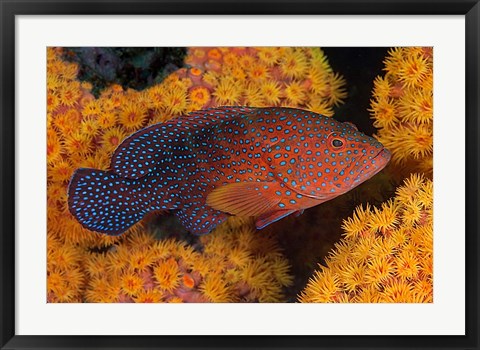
[
  {"x": 323, "y": 288},
  {"x": 353, "y": 275},
  {"x": 54, "y": 147},
  {"x": 293, "y": 63},
  {"x": 69, "y": 94},
  {"x": 252, "y": 95},
  {"x": 383, "y": 219},
  {"x": 412, "y": 213},
  {"x": 227, "y": 92},
  {"x": 271, "y": 92},
  {"x": 199, "y": 96},
  {"x": 317, "y": 105},
  {"x": 131, "y": 283},
  {"x": 258, "y": 72},
  {"x": 91, "y": 108},
  {"x": 131, "y": 116},
  {"x": 141, "y": 259},
  {"x": 78, "y": 143},
  {"x": 379, "y": 270},
  {"x": 97, "y": 265},
  {"x": 270, "y": 56},
  {"x": 112, "y": 138},
  {"x": 397, "y": 291},
  {"x": 363, "y": 248},
  {"x": 385, "y": 112},
  {"x": 356, "y": 225},
  {"x": 90, "y": 127},
  {"x": 417, "y": 107},
  {"x": 167, "y": 275},
  {"x": 414, "y": 69},
  {"x": 216, "y": 289},
  {"x": 406, "y": 266},
  {"x": 295, "y": 94},
  {"x": 148, "y": 296},
  {"x": 176, "y": 100},
  {"x": 64, "y": 257},
  {"x": 107, "y": 119},
  {"x": 60, "y": 171},
  {"x": 335, "y": 92},
  {"x": 102, "y": 291},
  {"x": 382, "y": 87}
]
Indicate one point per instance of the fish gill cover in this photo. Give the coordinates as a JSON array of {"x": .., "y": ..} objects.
[{"x": 84, "y": 132}]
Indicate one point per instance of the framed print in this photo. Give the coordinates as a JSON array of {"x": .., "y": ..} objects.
[{"x": 199, "y": 175}]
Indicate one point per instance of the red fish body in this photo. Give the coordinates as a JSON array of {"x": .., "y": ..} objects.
[{"x": 262, "y": 162}]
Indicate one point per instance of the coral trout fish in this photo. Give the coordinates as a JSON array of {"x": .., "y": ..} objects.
[{"x": 263, "y": 162}]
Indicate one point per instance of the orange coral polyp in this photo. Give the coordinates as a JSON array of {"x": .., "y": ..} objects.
[
  {"x": 195, "y": 71},
  {"x": 214, "y": 54},
  {"x": 188, "y": 281}
]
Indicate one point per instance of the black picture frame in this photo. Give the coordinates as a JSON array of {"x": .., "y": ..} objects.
[{"x": 11, "y": 8}]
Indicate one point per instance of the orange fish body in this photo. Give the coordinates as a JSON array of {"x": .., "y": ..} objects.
[{"x": 262, "y": 162}]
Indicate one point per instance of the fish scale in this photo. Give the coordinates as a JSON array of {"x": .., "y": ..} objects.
[{"x": 263, "y": 162}]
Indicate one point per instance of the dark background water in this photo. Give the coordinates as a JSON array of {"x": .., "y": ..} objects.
[{"x": 359, "y": 66}]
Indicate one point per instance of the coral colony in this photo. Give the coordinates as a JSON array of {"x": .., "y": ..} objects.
[
  {"x": 402, "y": 108},
  {"x": 384, "y": 254}
]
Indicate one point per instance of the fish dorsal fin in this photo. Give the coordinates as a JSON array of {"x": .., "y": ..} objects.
[
  {"x": 350, "y": 125},
  {"x": 143, "y": 151},
  {"x": 295, "y": 166},
  {"x": 245, "y": 198}
]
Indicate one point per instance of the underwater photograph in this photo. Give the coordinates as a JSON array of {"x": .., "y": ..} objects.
[{"x": 239, "y": 174}]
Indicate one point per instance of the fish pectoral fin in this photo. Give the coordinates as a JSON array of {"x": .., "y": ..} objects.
[
  {"x": 299, "y": 212},
  {"x": 270, "y": 217},
  {"x": 244, "y": 198}
]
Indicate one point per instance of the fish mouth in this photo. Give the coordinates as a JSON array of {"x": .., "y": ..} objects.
[
  {"x": 383, "y": 156},
  {"x": 377, "y": 163}
]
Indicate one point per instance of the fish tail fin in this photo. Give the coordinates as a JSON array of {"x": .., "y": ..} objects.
[{"x": 104, "y": 202}]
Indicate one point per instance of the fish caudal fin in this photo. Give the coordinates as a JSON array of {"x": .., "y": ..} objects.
[{"x": 104, "y": 202}]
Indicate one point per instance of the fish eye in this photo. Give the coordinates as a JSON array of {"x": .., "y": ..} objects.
[{"x": 337, "y": 143}]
